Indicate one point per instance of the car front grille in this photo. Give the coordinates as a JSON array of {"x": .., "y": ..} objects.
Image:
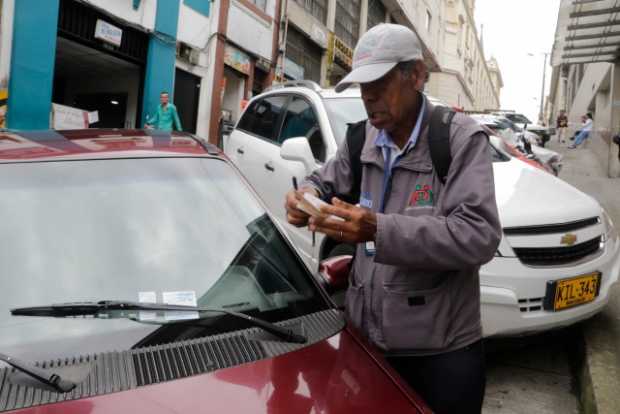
[
  {"x": 551, "y": 228},
  {"x": 550, "y": 256}
]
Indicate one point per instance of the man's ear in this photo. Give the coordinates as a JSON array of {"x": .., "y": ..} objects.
[{"x": 421, "y": 75}]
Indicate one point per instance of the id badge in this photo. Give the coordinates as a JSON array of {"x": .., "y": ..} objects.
[
  {"x": 369, "y": 247},
  {"x": 366, "y": 200}
]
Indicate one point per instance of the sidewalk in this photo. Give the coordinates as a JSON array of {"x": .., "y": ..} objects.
[{"x": 600, "y": 378}]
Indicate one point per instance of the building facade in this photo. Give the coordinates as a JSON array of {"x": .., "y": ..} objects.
[
  {"x": 111, "y": 58},
  {"x": 586, "y": 75},
  {"x": 466, "y": 79},
  {"x": 318, "y": 36},
  {"x": 115, "y": 57}
]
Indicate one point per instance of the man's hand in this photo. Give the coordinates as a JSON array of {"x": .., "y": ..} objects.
[
  {"x": 295, "y": 216},
  {"x": 359, "y": 225}
]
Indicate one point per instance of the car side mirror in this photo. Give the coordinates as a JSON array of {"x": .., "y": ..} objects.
[
  {"x": 298, "y": 149},
  {"x": 334, "y": 273}
]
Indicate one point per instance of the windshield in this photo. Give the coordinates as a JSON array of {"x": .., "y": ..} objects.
[
  {"x": 518, "y": 118},
  {"x": 147, "y": 229},
  {"x": 343, "y": 111}
]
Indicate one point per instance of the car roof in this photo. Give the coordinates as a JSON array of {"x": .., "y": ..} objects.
[
  {"x": 309, "y": 87},
  {"x": 104, "y": 143}
]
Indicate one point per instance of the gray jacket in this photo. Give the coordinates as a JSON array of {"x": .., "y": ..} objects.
[{"x": 420, "y": 293}]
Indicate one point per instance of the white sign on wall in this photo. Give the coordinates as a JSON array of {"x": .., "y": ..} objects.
[
  {"x": 108, "y": 33},
  {"x": 67, "y": 117}
]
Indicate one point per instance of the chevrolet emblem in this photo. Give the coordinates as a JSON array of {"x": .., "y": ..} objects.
[{"x": 569, "y": 239}]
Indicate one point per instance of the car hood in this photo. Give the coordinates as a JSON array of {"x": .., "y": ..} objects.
[
  {"x": 334, "y": 376},
  {"x": 527, "y": 196}
]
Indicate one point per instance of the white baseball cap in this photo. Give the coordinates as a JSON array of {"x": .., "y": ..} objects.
[{"x": 379, "y": 50}]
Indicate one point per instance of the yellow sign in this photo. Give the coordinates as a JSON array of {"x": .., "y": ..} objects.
[
  {"x": 576, "y": 291},
  {"x": 569, "y": 239},
  {"x": 343, "y": 53}
]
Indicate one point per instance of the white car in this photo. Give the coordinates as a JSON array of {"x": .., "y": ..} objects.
[
  {"x": 557, "y": 240},
  {"x": 550, "y": 158},
  {"x": 524, "y": 123}
]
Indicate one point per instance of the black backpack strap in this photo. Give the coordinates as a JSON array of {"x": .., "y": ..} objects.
[
  {"x": 439, "y": 140},
  {"x": 356, "y": 136}
]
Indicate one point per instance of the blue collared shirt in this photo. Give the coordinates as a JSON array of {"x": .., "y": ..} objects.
[{"x": 391, "y": 151}]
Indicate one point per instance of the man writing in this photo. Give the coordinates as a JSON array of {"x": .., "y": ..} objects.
[
  {"x": 414, "y": 287},
  {"x": 165, "y": 116}
]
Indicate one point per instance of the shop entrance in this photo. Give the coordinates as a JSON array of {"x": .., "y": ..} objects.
[
  {"x": 186, "y": 97},
  {"x": 97, "y": 73},
  {"x": 92, "y": 80}
]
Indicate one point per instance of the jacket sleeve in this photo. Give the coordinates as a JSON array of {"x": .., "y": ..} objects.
[
  {"x": 466, "y": 235},
  {"x": 154, "y": 120},
  {"x": 177, "y": 121},
  {"x": 334, "y": 177}
]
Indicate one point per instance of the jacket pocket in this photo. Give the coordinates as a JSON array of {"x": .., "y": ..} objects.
[
  {"x": 354, "y": 304},
  {"x": 416, "y": 319},
  {"x": 418, "y": 211}
]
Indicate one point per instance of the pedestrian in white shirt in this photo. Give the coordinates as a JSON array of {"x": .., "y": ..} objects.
[{"x": 584, "y": 133}]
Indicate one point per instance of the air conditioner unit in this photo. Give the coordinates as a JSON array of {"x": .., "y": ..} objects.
[
  {"x": 188, "y": 53},
  {"x": 194, "y": 56}
]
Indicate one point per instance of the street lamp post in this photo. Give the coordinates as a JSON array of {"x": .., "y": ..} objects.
[
  {"x": 542, "y": 88},
  {"x": 542, "y": 92}
]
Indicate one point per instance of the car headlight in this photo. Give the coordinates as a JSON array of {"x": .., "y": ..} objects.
[{"x": 610, "y": 231}]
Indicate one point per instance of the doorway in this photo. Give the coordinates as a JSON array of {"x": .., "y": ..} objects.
[
  {"x": 111, "y": 107},
  {"x": 186, "y": 98},
  {"x": 92, "y": 80}
]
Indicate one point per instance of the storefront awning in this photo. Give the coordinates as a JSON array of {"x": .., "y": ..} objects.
[{"x": 587, "y": 31}]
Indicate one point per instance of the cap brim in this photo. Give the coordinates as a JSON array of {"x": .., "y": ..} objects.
[{"x": 365, "y": 74}]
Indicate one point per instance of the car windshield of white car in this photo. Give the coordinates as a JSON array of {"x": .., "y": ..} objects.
[
  {"x": 344, "y": 111},
  {"x": 183, "y": 231}
]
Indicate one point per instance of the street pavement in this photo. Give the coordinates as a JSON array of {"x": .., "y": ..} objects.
[
  {"x": 601, "y": 372},
  {"x": 571, "y": 370},
  {"x": 532, "y": 374}
]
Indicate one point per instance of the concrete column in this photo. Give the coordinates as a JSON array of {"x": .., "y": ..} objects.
[
  {"x": 614, "y": 162},
  {"x": 6, "y": 38},
  {"x": 331, "y": 15},
  {"x": 363, "y": 17},
  {"x": 218, "y": 73},
  {"x": 35, "y": 26},
  {"x": 161, "y": 56}
]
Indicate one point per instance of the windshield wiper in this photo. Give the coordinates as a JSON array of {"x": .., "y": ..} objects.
[
  {"x": 62, "y": 310},
  {"x": 50, "y": 379}
]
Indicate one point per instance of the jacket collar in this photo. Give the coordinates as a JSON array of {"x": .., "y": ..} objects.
[{"x": 416, "y": 159}]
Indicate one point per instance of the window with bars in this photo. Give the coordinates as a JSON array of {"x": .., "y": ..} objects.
[
  {"x": 348, "y": 21},
  {"x": 376, "y": 13},
  {"x": 305, "y": 53},
  {"x": 317, "y": 8}
]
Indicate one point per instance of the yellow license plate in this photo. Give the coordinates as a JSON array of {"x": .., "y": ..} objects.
[{"x": 576, "y": 291}]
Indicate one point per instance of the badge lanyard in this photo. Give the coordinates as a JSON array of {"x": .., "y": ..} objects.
[{"x": 387, "y": 175}]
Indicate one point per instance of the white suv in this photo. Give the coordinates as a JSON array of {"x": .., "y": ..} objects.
[{"x": 558, "y": 258}]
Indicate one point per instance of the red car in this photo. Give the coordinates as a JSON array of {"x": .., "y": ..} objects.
[{"x": 140, "y": 273}]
